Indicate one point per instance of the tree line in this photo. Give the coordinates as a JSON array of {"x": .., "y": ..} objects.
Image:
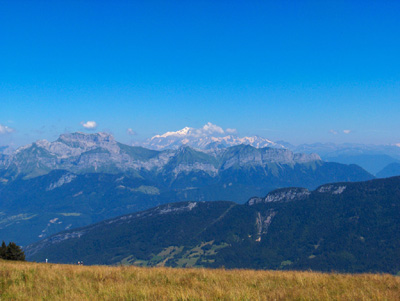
[{"x": 11, "y": 252}]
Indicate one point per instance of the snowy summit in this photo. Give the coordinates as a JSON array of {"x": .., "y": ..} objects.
[{"x": 208, "y": 137}]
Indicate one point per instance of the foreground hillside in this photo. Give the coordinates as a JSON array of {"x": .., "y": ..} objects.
[
  {"x": 345, "y": 227},
  {"x": 22, "y": 281}
]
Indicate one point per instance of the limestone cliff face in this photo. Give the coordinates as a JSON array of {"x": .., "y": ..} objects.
[
  {"x": 245, "y": 155},
  {"x": 282, "y": 195},
  {"x": 297, "y": 194}
]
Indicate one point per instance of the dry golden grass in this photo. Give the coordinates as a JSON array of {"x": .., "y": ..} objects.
[{"x": 32, "y": 281}]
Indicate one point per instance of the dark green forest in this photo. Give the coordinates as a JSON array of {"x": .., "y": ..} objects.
[{"x": 11, "y": 252}]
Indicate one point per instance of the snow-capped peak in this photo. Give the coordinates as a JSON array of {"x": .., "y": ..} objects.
[{"x": 208, "y": 137}]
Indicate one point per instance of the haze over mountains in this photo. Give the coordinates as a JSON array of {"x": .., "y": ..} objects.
[
  {"x": 391, "y": 170},
  {"x": 6, "y": 150},
  {"x": 83, "y": 178},
  {"x": 372, "y": 158}
]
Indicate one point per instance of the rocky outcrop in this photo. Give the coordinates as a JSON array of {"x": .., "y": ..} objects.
[
  {"x": 332, "y": 188},
  {"x": 64, "y": 179},
  {"x": 282, "y": 195},
  {"x": 263, "y": 222}
]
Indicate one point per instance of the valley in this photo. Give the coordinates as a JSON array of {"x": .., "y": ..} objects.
[{"x": 345, "y": 227}]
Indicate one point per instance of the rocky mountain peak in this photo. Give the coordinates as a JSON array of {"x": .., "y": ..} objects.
[
  {"x": 73, "y": 144},
  {"x": 336, "y": 188}
]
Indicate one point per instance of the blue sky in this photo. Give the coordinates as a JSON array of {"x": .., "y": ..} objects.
[{"x": 300, "y": 71}]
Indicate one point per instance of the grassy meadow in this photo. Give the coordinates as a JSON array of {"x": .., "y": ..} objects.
[{"x": 26, "y": 281}]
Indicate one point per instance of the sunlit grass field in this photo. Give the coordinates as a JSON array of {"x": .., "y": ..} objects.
[{"x": 26, "y": 281}]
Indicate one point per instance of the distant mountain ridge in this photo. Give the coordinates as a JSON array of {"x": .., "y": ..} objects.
[
  {"x": 372, "y": 158},
  {"x": 391, "y": 170},
  {"x": 349, "y": 149},
  {"x": 99, "y": 152},
  {"x": 345, "y": 227},
  {"x": 212, "y": 139}
]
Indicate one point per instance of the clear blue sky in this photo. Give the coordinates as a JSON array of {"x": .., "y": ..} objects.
[{"x": 298, "y": 71}]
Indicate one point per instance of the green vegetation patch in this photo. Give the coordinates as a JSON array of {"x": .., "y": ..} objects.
[
  {"x": 286, "y": 263},
  {"x": 198, "y": 255},
  {"x": 141, "y": 263},
  {"x": 127, "y": 260},
  {"x": 148, "y": 190},
  {"x": 170, "y": 251},
  {"x": 180, "y": 256}
]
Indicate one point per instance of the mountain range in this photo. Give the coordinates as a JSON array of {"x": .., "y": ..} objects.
[
  {"x": 211, "y": 138},
  {"x": 46, "y": 187},
  {"x": 372, "y": 158},
  {"x": 79, "y": 152},
  {"x": 345, "y": 227}
]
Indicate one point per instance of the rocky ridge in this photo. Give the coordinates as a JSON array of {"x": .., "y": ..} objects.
[{"x": 281, "y": 195}]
